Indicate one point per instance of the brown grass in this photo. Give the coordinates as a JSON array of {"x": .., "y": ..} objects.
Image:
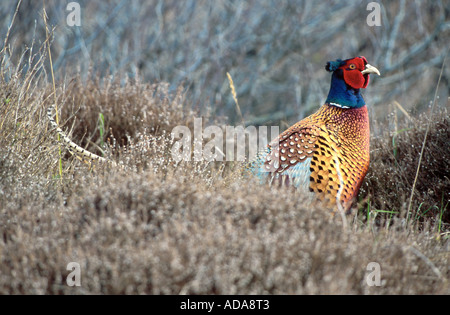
[{"x": 143, "y": 233}]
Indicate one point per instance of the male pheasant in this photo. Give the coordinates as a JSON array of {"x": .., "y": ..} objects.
[{"x": 326, "y": 155}]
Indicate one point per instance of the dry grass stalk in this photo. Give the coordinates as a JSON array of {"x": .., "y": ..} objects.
[
  {"x": 425, "y": 139},
  {"x": 233, "y": 92}
]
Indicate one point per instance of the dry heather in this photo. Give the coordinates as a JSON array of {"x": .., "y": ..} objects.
[
  {"x": 394, "y": 164},
  {"x": 146, "y": 233},
  {"x": 161, "y": 228}
]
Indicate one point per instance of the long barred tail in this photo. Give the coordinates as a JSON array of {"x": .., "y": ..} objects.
[{"x": 72, "y": 146}]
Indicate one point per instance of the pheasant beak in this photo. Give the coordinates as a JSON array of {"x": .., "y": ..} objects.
[{"x": 370, "y": 69}]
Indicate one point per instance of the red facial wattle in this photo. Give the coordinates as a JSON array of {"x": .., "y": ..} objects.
[
  {"x": 354, "y": 77},
  {"x": 366, "y": 80}
]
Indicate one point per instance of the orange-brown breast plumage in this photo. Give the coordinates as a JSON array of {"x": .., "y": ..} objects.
[{"x": 334, "y": 143}]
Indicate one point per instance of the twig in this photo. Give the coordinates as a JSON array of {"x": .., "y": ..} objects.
[
  {"x": 413, "y": 51},
  {"x": 233, "y": 91},
  {"x": 427, "y": 261},
  {"x": 393, "y": 36},
  {"x": 399, "y": 106},
  {"x": 47, "y": 40},
  {"x": 10, "y": 26},
  {"x": 98, "y": 30}
]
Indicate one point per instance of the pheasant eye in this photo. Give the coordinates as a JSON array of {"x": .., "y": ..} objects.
[{"x": 352, "y": 66}]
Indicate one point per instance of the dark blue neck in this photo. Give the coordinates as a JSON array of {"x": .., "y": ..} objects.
[{"x": 343, "y": 94}]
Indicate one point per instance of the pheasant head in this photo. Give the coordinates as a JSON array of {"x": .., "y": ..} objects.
[{"x": 349, "y": 76}]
